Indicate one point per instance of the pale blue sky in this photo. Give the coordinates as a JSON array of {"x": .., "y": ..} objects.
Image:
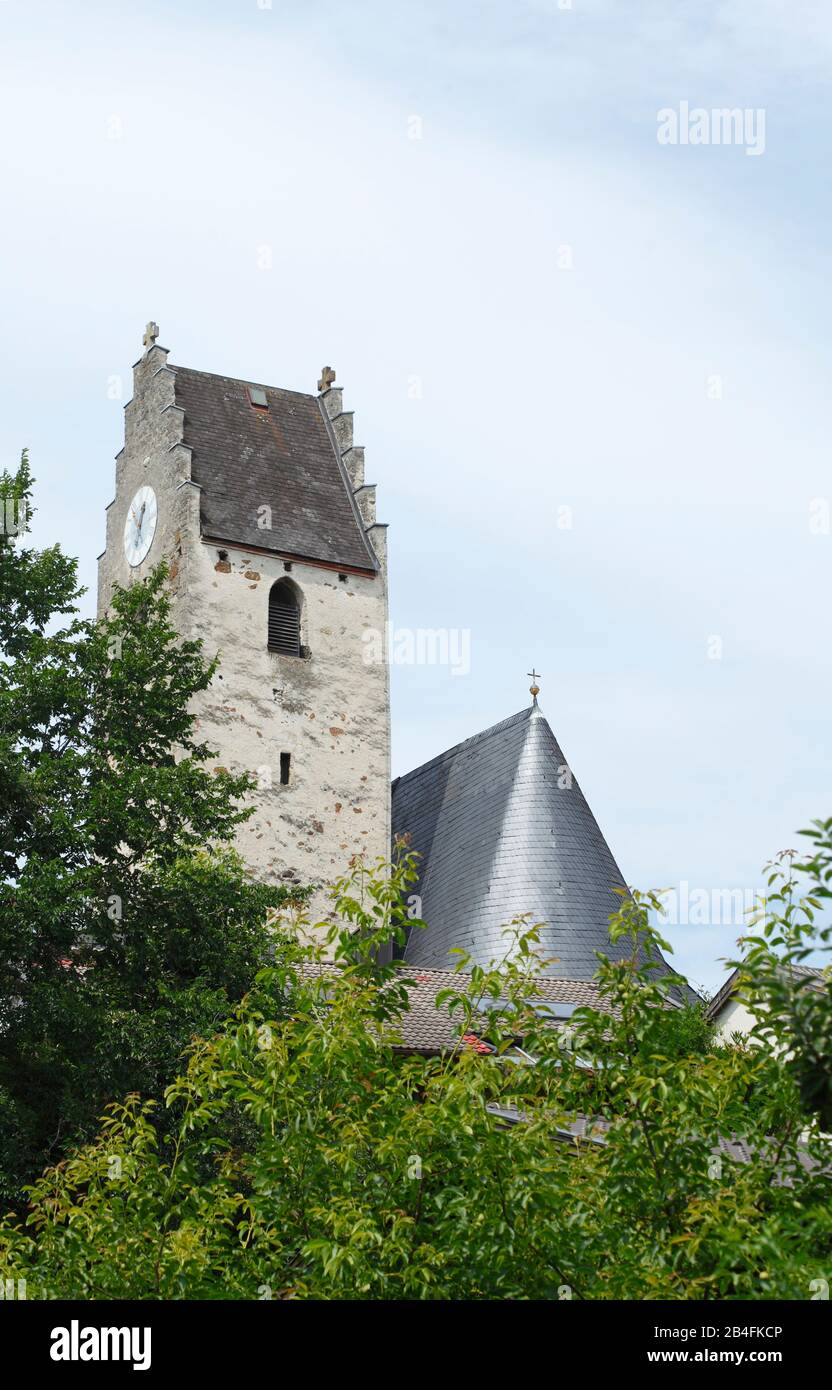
[{"x": 392, "y": 258}]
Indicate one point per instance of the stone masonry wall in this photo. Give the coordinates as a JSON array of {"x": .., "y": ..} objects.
[
  {"x": 329, "y": 711},
  {"x": 154, "y": 454}
]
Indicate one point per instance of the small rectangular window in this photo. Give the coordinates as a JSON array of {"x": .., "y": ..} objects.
[
  {"x": 258, "y": 397},
  {"x": 285, "y": 760}
]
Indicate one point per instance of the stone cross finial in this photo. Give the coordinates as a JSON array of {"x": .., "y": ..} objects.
[
  {"x": 151, "y": 333},
  {"x": 534, "y": 688},
  {"x": 327, "y": 378}
]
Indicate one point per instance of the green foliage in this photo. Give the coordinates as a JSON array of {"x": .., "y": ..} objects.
[
  {"x": 126, "y": 923},
  {"x": 788, "y": 1006},
  {"x": 34, "y": 585},
  {"x": 298, "y": 1153},
  {"x": 310, "y": 1159},
  {"x": 684, "y": 1032}
]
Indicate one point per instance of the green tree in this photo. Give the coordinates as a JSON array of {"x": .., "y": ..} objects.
[
  {"x": 787, "y": 1004},
  {"x": 589, "y": 1164},
  {"x": 686, "y": 1031},
  {"x": 127, "y": 924}
]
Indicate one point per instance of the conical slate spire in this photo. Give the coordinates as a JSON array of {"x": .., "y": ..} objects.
[{"x": 503, "y": 828}]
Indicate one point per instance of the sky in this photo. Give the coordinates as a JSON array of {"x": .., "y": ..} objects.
[{"x": 589, "y": 365}]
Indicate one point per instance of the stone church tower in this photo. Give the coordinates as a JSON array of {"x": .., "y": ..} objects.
[{"x": 255, "y": 497}]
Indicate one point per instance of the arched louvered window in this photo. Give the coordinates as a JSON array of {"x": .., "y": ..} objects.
[{"x": 284, "y": 618}]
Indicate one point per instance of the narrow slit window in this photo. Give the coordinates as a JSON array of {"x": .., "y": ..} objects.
[
  {"x": 284, "y": 619},
  {"x": 285, "y": 764}
]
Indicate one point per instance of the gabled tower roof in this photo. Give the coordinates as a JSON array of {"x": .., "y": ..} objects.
[
  {"x": 503, "y": 829},
  {"x": 283, "y": 455}
]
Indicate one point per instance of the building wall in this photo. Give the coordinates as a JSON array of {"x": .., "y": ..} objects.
[
  {"x": 153, "y": 453},
  {"x": 733, "y": 1017},
  {"x": 329, "y": 711}
]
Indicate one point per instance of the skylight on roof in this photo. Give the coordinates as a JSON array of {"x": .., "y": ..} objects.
[
  {"x": 547, "y": 1008},
  {"x": 258, "y": 397},
  {"x": 550, "y": 1009}
]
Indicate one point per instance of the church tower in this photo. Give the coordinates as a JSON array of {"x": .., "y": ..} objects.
[{"x": 255, "y": 497}]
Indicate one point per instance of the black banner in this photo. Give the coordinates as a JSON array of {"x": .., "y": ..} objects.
[{"x": 88, "y": 1339}]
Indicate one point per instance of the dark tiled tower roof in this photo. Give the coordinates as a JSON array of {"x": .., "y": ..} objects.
[
  {"x": 285, "y": 457},
  {"x": 499, "y": 834}
]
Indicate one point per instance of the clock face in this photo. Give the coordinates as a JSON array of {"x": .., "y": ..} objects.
[{"x": 140, "y": 526}]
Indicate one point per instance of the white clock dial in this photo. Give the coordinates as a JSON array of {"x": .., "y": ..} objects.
[{"x": 140, "y": 526}]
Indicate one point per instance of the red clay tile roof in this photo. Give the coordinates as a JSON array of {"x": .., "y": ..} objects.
[
  {"x": 477, "y": 1045},
  {"x": 431, "y": 1030}
]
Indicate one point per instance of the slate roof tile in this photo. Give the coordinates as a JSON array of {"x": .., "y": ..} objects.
[
  {"x": 502, "y": 831},
  {"x": 284, "y": 457}
]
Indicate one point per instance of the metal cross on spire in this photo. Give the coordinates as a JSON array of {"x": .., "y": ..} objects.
[
  {"x": 534, "y": 688},
  {"x": 151, "y": 333}
]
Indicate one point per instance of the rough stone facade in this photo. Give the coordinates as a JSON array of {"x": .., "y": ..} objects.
[{"x": 328, "y": 710}]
